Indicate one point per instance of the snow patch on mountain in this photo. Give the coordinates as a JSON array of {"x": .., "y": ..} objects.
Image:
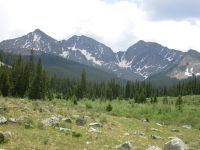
[{"x": 87, "y": 55}]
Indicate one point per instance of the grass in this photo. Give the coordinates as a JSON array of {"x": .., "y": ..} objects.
[{"x": 125, "y": 116}]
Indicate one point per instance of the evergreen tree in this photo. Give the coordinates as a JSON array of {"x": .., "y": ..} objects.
[
  {"x": 128, "y": 90},
  {"x": 5, "y": 82}
]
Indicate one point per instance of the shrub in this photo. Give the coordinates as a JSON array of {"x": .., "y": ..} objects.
[
  {"x": 109, "y": 107},
  {"x": 88, "y": 105}
]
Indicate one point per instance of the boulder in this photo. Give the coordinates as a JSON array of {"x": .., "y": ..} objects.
[
  {"x": 175, "y": 144},
  {"x": 3, "y": 120},
  {"x": 12, "y": 120},
  {"x": 96, "y": 124},
  {"x": 125, "y": 146},
  {"x": 64, "y": 129},
  {"x": 154, "y": 148},
  {"x": 52, "y": 121},
  {"x": 4, "y": 136}
]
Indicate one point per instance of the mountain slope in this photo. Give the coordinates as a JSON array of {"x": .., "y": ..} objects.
[{"x": 141, "y": 61}]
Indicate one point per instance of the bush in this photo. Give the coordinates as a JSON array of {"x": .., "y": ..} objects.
[
  {"x": 88, "y": 105},
  {"x": 76, "y": 134},
  {"x": 179, "y": 103},
  {"x": 109, "y": 107},
  {"x": 165, "y": 100},
  {"x": 74, "y": 99}
]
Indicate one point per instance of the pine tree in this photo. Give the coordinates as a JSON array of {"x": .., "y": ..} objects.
[
  {"x": 83, "y": 84},
  {"x": 5, "y": 83},
  {"x": 38, "y": 86},
  {"x": 128, "y": 90}
]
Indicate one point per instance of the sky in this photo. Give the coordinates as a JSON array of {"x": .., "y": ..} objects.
[{"x": 116, "y": 23}]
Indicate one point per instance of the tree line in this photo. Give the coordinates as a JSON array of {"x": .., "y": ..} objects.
[{"x": 27, "y": 78}]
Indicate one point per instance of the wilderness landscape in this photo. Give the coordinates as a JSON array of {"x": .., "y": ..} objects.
[{"x": 99, "y": 74}]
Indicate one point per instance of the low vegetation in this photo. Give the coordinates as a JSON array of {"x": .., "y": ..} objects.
[{"x": 119, "y": 121}]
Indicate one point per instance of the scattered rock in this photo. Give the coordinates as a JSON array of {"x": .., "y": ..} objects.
[
  {"x": 145, "y": 119},
  {"x": 159, "y": 124},
  {"x": 138, "y": 133},
  {"x": 88, "y": 142},
  {"x": 64, "y": 129},
  {"x": 126, "y": 134},
  {"x": 175, "y": 130},
  {"x": 68, "y": 120},
  {"x": 3, "y": 120},
  {"x": 77, "y": 116},
  {"x": 51, "y": 121},
  {"x": 154, "y": 129},
  {"x": 12, "y": 120},
  {"x": 4, "y": 136},
  {"x": 80, "y": 122},
  {"x": 96, "y": 124},
  {"x": 94, "y": 130},
  {"x": 187, "y": 126},
  {"x": 175, "y": 144},
  {"x": 125, "y": 146},
  {"x": 154, "y": 148},
  {"x": 155, "y": 137}
]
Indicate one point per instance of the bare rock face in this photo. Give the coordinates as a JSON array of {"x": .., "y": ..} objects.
[
  {"x": 175, "y": 144},
  {"x": 125, "y": 146}
]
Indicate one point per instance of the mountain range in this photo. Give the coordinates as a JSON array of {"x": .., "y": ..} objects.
[{"x": 141, "y": 61}]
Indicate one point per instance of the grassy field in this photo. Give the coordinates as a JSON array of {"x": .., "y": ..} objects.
[{"x": 118, "y": 124}]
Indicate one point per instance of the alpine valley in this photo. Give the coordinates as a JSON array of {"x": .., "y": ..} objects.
[{"x": 143, "y": 60}]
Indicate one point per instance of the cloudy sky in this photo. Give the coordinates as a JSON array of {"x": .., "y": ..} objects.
[{"x": 116, "y": 23}]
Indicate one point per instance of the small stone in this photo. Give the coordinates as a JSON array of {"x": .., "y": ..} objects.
[
  {"x": 64, "y": 129},
  {"x": 94, "y": 130},
  {"x": 174, "y": 130},
  {"x": 68, "y": 120},
  {"x": 125, "y": 146},
  {"x": 154, "y": 129},
  {"x": 175, "y": 144},
  {"x": 96, "y": 124},
  {"x": 158, "y": 124},
  {"x": 126, "y": 134},
  {"x": 138, "y": 133},
  {"x": 155, "y": 137},
  {"x": 51, "y": 121},
  {"x": 154, "y": 148},
  {"x": 187, "y": 126},
  {"x": 3, "y": 120}
]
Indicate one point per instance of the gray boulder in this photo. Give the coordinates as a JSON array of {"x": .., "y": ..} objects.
[
  {"x": 153, "y": 136},
  {"x": 4, "y": 136},
  {"x": 125, "y": 146},
  {"x": 137, "y": 132},
  {"x": 175, "y": 144},
  {"x": 12, "y": 120},
  {"x": 3, "y": 120},
  {"x": 52, "y": 121},
  {"x": 154, "y": 148}
]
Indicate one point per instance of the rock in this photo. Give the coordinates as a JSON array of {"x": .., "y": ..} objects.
[
  {"x": 154, "y": 129},
  {"x": 158, "y": 124},
  {"x": 138, "y": 133},
  {"x": 51, "y": 121},
  {"x": 155, "y": 137},
  {"x": 96, "y": 124},
  {"x": 175, "y": 144},
  {"x": 80, "y": 122},
  {"x": 154, "y": 148},
  {"x": 3, "y": 120},
  {"x": 12, "y": 120},
  {"x": 68, "y": 120},
  {"x": 94, "y": 130},
  {"x": 64, "y": 129},
  {"x": 126, "y": 134},
  {"x": 187, "y": 126},
  {"x": 77, "y": 116},
  {"x": 125, "y": 146},
  {"x": 4, "y": 136},
  {"x": 174, "y": 130}
]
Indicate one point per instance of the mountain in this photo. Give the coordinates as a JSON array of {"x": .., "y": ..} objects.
[{"x": 140, "y": 61}]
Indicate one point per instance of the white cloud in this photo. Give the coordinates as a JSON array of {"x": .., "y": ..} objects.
[{"x": 118, "y": 24}]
